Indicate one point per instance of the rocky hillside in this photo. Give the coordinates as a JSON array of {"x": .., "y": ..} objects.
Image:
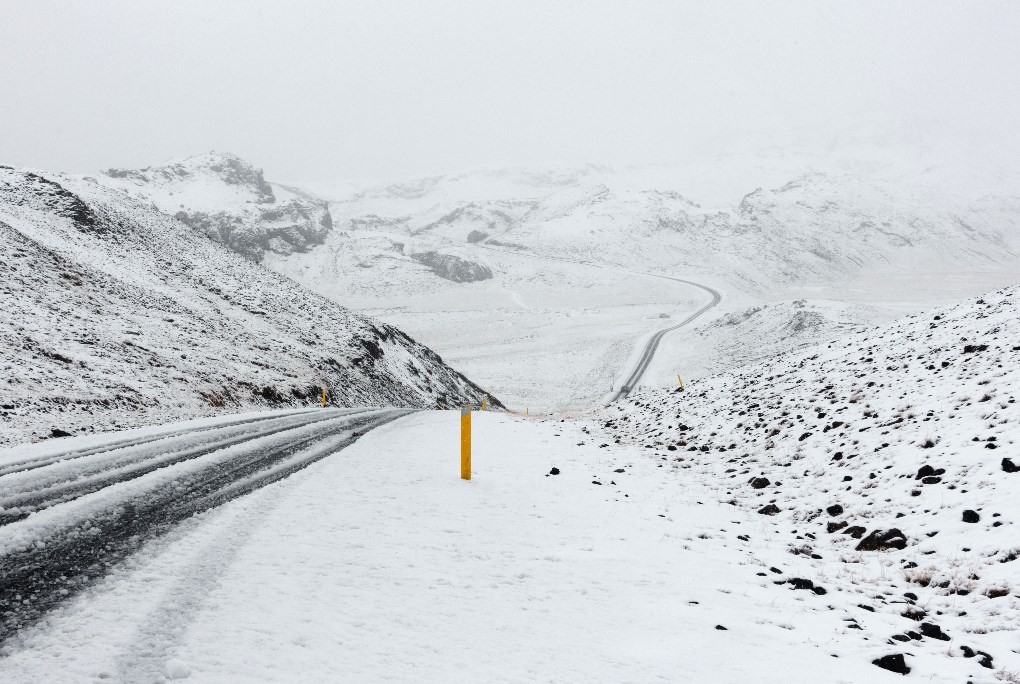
[
  {"x": 884, "y": 467},
  {"x": 116, "y": 314},
  {"x": 227, "y": 199}
]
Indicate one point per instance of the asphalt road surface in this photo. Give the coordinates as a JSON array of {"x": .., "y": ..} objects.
[{"x": 67, "y": 517}]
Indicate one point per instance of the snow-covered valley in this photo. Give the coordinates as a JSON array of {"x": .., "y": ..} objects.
[{"x": 832, "y": 495}]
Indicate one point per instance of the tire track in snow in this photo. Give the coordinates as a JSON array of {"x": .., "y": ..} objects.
[{"x": 49, "y": 557}]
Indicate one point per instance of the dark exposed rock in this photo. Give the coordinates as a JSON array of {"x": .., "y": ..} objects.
[
  {"x": 971, "y": 348},
  {"x": 893, "y": 663},
  {"x": 760, "y": 482},
  {"x": 970, "y": 516},
  {"x": 933, "y": 631},
  {"x": 554, "y": 471},
  {"x": 1009, "y": 467},
  {"x": 451, "y": 267},
  {"x": 57, "y": 432},
  {"x": 770, "y": 509},
  {"x": 855, "y": 531},
  {"x": 834, "y": 510},
  {"x": 881, "y": 540},
  {"x": 835, "y": 526}
]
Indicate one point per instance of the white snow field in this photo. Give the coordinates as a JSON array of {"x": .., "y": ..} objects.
[{"x": 380, "y": 564}]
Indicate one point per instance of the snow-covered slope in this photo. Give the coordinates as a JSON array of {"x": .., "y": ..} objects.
[
  {"x": 886, "y": 463},
  {"x": 229, "y": 200},
  {"x": 116, "y": 314}
]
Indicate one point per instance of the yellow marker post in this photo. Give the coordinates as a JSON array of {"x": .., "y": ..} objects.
[
  {"x": 465, "y": 443},
  {"x": 526, "y": 411},
  {"x": 485, "y": 405},
  {"x": 680, "y": 380},
  {"x": 323, "y": 397}
]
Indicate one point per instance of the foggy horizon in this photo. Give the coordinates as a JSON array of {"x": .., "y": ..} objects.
[{"x": 394, "y": 90}]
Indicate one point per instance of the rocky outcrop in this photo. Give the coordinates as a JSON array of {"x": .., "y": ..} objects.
[
  {"x": 452, "y": 267},
  {"x": 228, "y": 200}
]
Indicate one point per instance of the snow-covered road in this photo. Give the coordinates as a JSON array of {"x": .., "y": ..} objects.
[
  {"x": 381, "y": 564},
  {"x": 68, "y": 513}
]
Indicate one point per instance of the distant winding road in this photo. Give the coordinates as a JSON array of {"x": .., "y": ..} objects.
[
  {"x": 67, "y": 516},
  {"x": 648, "y": 352}
]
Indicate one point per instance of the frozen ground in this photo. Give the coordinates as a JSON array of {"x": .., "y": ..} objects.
[{"x": 378, "y": 563}]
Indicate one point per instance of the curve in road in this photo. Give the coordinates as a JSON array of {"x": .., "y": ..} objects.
[{"x": 648, "y": 352}]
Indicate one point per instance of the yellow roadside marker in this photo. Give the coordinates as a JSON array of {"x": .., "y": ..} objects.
[
  {"x": 323, "y": 397},
  {"x": 465, "y": 443},
  {"x": 680, "y": 380}
]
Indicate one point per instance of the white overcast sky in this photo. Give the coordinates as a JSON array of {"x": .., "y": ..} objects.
[{"x": 324, "y": 90}]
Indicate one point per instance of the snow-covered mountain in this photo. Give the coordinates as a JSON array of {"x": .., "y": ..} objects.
[
  {"x": 229, "y": 200},
  {"x": 814, "y": 226},
  {"x": 116, "y": 314},
  {"x": 886, "y": 463}
]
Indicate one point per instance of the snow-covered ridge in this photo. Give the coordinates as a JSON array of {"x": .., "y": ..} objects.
[
  {"x": 226, "y": 198},
  {"x": 887, "y": 462},
  {"x": 115, "y": 315}
]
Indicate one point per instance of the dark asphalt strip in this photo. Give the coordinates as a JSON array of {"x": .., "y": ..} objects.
[
  {"x": 19, "y": 505},
  {"x": 34, "y": 580},
  {"x": 33, "y": 463}
]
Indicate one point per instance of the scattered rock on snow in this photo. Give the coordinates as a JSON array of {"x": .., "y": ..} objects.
[
  {"x": 881, "y": 540},
  {"x": 933, "y": 631},
  {"x": 855, "y": 531},
  {"x": 970, "y": 516},
  {"x": 771, "y": 509},
  {"x": 893, "y": 663}
]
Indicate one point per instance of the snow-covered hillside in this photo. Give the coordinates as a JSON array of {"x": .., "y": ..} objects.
[
  {"x": 885, "y": 469},
  {"x": 116, "y": 314},
  {"x": 229, "y": 200}
]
